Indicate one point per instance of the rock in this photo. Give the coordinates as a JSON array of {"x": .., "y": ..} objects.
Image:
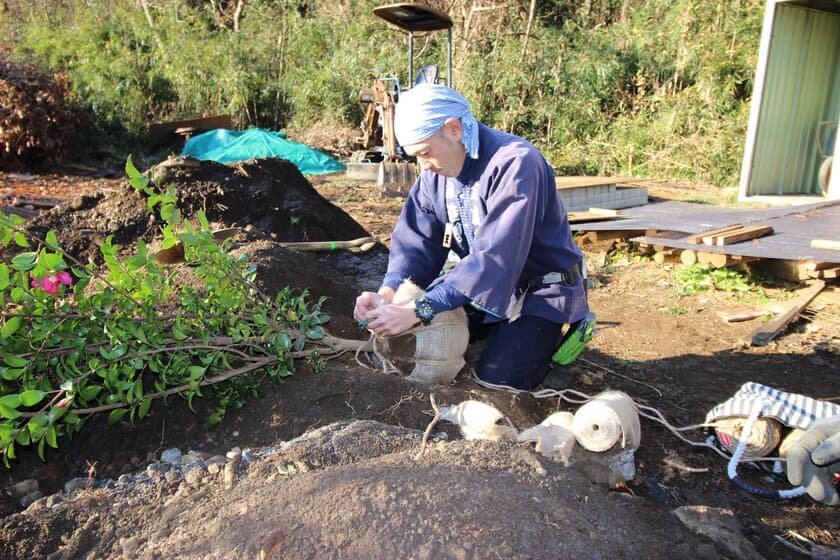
[
  {"x": 78, "y": 483},
  {"x": 230, "y": 473},
  {"x": 129, "y": 547},
  {"x": 722, "y": 527},
  {"x": 23, "y": 488},
  {"x": 171, "y": 455},
  {"x": 32, "y": 499},
  {"x": 216, "y": 460},
  {"x": 234, "y": 453},
  {"x": 194, "y": 475},
  {"x": 171, "y": 476}
]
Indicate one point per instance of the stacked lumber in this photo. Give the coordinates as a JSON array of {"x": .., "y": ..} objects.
[
  {"x": 33, "y": 115},
  {"x": 730, "y": 234}
]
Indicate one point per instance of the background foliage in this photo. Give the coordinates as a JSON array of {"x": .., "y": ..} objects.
[{"x": 631, "y": 87}]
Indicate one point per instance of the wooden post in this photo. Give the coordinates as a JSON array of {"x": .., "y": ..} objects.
[{"x": 688, "y": 257}]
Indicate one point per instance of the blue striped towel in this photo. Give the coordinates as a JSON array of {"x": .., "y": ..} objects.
[{"x": 791, "y": 409}]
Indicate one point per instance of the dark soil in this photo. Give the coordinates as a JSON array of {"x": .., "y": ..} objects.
[{"x": 335, "y": 467}]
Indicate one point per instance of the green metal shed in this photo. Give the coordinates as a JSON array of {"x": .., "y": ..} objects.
[{"x": 795, "y": 107}]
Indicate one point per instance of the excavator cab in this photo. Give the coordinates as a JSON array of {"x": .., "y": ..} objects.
[{"x": 381, "y": 154}]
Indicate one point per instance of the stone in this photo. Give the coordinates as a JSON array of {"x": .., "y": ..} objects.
[
  {"x": 722, "y": 527},
  {"x": 171, "y": 455},
  {"x": 78, "y": 483},
  {"x": 23, "y": 488}
]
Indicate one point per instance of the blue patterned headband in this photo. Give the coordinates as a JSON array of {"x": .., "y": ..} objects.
[{"x": 423, "y": 110}]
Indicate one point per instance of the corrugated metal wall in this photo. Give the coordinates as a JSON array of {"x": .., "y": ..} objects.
[{"x": 801, "y": 88}]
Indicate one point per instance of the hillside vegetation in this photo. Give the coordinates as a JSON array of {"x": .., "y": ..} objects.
[{"x": 631, "y": 87}]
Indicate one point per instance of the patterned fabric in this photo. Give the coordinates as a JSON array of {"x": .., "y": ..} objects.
[
  {"x": 791, "y": 409},
  {"x": 423, "y": 110}
]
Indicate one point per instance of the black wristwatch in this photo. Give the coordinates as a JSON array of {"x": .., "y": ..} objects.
[{"x": 424, "y": 310}]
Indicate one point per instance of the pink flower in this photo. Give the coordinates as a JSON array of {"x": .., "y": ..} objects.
[{"x": 50, "y": 282}]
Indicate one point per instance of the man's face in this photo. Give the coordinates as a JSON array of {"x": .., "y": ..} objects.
[{"x": 441, "y": 153}]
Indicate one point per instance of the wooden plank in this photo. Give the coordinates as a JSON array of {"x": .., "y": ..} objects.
[
  {"x": 582, "y": 217},
  {"x": 827, "y": 273},
  {"x": 573, "y": 182},
  {"x": 593, "y": 236},
  {"x": 162, "y": 133},
  {"x": 739, "y": 316},
  {"x": 609, "y": 212},
  {"x": 825, "y": 244},
  {"x": 811, "y": 266},
  {"x": 768, "y": 331},
  {"x": 698, "y": 237},
  {"x": 743, "y": 235}
]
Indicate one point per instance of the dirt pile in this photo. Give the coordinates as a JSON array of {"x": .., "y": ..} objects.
[{"x": 328, "y": 465}]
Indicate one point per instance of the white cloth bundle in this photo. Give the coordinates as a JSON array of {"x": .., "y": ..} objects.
[
  {"x": 479, "y": 421},
  {"x": 554, "y": 437},
  {"x": 609, "y": 419}
]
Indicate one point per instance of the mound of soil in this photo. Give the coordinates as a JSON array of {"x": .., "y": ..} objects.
[{"x": 333, "y": 464}]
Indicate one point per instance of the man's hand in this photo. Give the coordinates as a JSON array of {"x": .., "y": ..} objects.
[
  {"x": 392, "y": 319},
  {"x": 368, "y": 301},
  {"x": 814, "y": 461}
]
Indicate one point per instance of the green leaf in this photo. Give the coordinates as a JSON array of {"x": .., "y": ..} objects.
[
  {"x": 196, "y": 372},
  {"x": 37, "y": 424},
  {"x": 15, "y": 361},
  {"x": 51, "y": 261},
  {"x": 52, "y": 437},
  {"x": 20, "y": 239},
  {"x": 55, "y": 413},
  {"x": 144, "y": 407},
  {"x": 283, "y": 341},
  {"x": 24, "y": 261},
  {"x": 10, "y": 326},
  {"x": 11, "y": 401},
  {"x": 52, "y": 240},
  {"x": 11, "y": 374},
  {"x": 4, "y": 276},
  {"x": 116, "y": 415},
  {"x": 90, "y": 392},
  {"x": 41, "y": 448},
  {"x": 9, "y": 413},
  {"x": 31, "y": 397},
  {"x": 23, "y": 437}
]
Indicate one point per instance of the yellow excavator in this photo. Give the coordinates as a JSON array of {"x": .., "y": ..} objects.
[{"x": 381, "y": 154}]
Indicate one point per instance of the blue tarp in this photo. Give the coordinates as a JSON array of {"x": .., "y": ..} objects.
[{"x": 227, "y": 146}]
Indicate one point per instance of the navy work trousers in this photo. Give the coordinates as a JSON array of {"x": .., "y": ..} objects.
[{"x": 516, "y": 354}]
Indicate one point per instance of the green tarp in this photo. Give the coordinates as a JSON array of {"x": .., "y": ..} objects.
[{"x": 227, "y": 146}]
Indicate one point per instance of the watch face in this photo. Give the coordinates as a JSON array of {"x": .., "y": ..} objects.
[{"x": 424, "y": 310}]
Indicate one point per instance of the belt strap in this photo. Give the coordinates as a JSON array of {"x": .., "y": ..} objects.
[{"x": 565, "y": 277}]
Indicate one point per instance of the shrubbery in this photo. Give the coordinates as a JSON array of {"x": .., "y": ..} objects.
[{"x": 633, "y": 87}]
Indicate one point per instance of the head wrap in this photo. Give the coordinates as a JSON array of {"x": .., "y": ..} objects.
[{"x": 423, "y": 110}]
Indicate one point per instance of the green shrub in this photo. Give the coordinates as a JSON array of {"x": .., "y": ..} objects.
[{"x": 639, "y": 88}]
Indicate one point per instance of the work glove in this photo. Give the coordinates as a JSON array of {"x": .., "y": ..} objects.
[
  {"x": 575, "y": 341},
  {"x": 813, "y": 461}
]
